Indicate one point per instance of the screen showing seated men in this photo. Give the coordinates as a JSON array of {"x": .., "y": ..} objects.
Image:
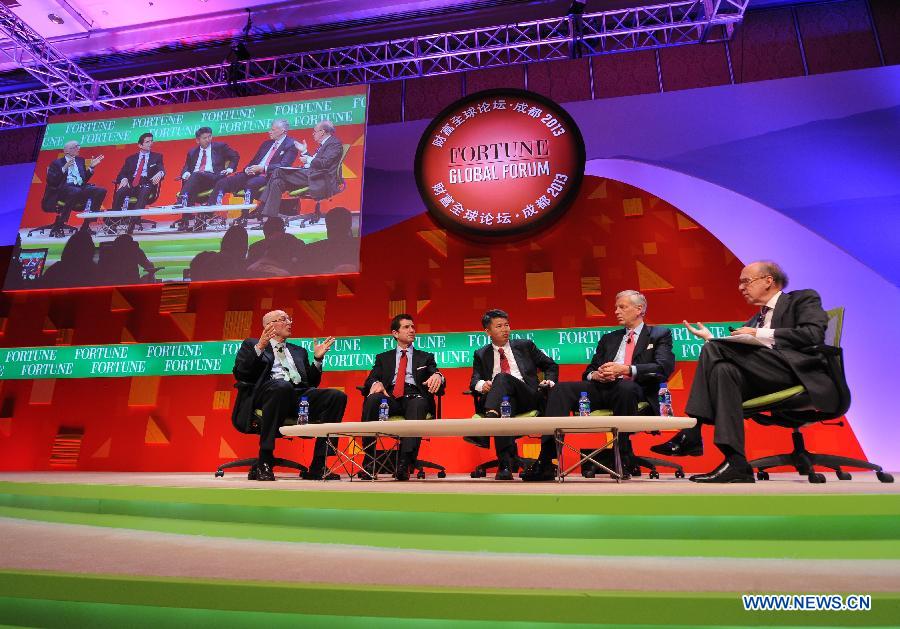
[{"x": 256, "y": 187}]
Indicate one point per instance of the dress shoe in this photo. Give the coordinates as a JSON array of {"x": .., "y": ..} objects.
[
  {"x": 503, "y": 473},
  {"x": 253, "y": 474},
  {"x": 727, "y": 472},
  {"x": 318, "y": 474},
  {"x": 540, "y": 471},
  {"x": 679, "y": 445},
  {"x": 263, "y": 472}
]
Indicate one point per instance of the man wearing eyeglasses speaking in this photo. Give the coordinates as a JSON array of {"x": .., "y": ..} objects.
[
  {"x": 774, "y": 350},
  {"x": 281, "y": 374}
]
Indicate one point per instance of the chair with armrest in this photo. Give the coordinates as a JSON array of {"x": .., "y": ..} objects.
[
  {"x": 520, "y": 463},
  {"x": 59, "y": 228},
  {"x": 338, "y": 186},
  {"x": 792, "y": 408},
  {"x": 253, "y": 429},
  {"x": 386, "y": 463}
]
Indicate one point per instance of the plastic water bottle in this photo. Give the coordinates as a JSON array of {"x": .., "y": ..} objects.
[
  {"x": 665, "y": 400},
  {"x": 584, "y": 405},
  {"x": 505, "y": 407},
  {"x": 383, "y": 410},
  {"x": 303, "y": 412},
  {"x": 219, "y": 197},
  {"x": 248, "y": 196},
  {"x": 87, "y": 205},
  {"x": 126, "y": 202},
  {"x": 184, "y": 199}
]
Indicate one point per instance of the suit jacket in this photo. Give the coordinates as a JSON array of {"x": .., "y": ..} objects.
[
  {"x": 154, "y": 165},
  {"x": 251, "y": 371},
  {"x": 56, "y": 179},
  {"x": 223, "y": 156},
  {"x": 528, "y": 357},
  {"x": 284, "y": 156},
  {"x": 799, "y": 324},
  {"x": 324, "y": 177},
  {"x": 652, "y": 359},
  {"x": 423, "y": 367}
]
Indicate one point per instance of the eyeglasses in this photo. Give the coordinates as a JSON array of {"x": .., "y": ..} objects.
[
  {"x": 746, "y": 281},
  {"x": 283, "y": 320}
]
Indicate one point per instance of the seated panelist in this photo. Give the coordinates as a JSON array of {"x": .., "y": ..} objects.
[
  {"x": 205, "y": 164},
  {"x": 140, "y": 175},
  {"x": 408, "y": 379},
  {"x": 627, "y": 367},
  {"x": 67, "y": 181},
  {"x": 508, "y": 368}
]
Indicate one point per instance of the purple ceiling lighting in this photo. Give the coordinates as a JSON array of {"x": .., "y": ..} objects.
[{"x": 656, "y": 26}]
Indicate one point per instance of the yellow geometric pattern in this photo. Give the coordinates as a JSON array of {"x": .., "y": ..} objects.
[
  {"x": 476, "y": 270},
  {"x": 315, "y": 310},
  {"x": 539, "y": 285},
  {"x": 185, "y": 321},
  {"x": 154, "y": 434},
  {"x": 42, "y": 391},
  {"x": 633, "y": 207},
  {"x": 649, "y": 279},
  {"x": 590, "y": 286},
  {"x": 104, "y": 450},
  {"x": 143, "y": 391},
  {"x": 225, "y": 450},
  {"x": 198, "y": 422},
  {"x": 237, "y": 324},
  {"x": 221, "y": 400},
  {"x": 395, "y": 307},
  {"x": 437, "y": 238}
]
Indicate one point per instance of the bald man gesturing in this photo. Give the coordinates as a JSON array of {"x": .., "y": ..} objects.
[{"x": 281, "y": 374}]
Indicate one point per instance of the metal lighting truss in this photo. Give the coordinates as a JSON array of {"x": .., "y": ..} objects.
[{"x": 657, "y": 26}]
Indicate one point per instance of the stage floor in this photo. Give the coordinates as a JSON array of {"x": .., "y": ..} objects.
[{"x": 581, "y": 547}]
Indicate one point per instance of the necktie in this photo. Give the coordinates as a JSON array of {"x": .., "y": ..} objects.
[
  {"x": 202, "y": 165},
  {"x": 137, "y": 174},
  {"x": 288, "y": 369},
  {"x": 504, "y": 361},
  {"x": 761, "y": 320},
  {"x": 265, "y": 160},
  {"x": 400, "y": 381},
  {"x": 629, "y": 350}
]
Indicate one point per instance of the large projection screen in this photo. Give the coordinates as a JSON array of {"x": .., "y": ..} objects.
[{"x": 198, "y": 201}]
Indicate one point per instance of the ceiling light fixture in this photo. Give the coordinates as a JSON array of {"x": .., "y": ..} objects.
[{"x": 53, "y": 17}]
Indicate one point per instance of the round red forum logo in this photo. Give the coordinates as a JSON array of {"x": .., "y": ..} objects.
[{"x": 500, "y": 163}]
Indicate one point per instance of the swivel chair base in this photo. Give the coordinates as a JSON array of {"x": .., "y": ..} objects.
[
  {"x": 220, "y": 471},
  {"x": 520, "y": 464},
  {"x": 805, "y": 461}
]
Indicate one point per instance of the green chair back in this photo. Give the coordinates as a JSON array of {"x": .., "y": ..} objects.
[{"x": 835, "y": 326}]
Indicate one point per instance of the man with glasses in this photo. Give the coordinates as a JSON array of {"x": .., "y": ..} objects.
[
  {"x": 281, "y": 375},
  {"x": 771, "y": 352},
  {"x": 317, "y": 171}
]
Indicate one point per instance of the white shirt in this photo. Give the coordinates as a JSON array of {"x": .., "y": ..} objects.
[
  {"x": 277, "y": 369},
  {"x": 766, "y": 334},
  {"x": 513, "y": 367},
  {"x": 308, "y": 159},
  {"x": 271, "y": 153},
  {"x": 146, "y": 155},
  {"x": 72, "y": 175}
]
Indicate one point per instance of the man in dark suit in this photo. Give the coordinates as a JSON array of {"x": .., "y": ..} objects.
[
  {"x": 411, "y": 393},
  {"x": 277, "y": 151},
  {"x": 204, "y": 165},
  {"x": 281, "y": 375},
  {"x": 627, "y": 367},
  {"x": 318, "y": 171},
  {"x": 140, "y": 175},
  {"x": 780, "y": 355},
  {"x": 508, "y": 368},
  {"x": 67, "y": 181}
]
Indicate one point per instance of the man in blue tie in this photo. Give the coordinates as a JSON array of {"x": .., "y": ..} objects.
[
  {"x": 777, "y": 353},
  {"x": 281, "y": 374}
]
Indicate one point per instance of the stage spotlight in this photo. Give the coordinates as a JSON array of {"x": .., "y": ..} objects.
[{"x": 577, "y": 7}]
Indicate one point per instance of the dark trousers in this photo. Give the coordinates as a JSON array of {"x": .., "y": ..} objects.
[
  {"x": 235, "y": 182},
  {"x": 521, "y": 398},
  {"x": 282, "y": 180},
  {"x": 76, "y": 196},
  {"x": 621, "y": 396},
  {"x": 142, "y": 192},
  {"x": 727, "y": 374},
  {"x": 278, "y": 400},
  {"x": 412, "y": 405},
  {"x": 198, "y": 182}
]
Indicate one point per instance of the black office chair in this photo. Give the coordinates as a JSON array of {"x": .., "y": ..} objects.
[
  {"x": 520, "y": 463},
  {"x": 304, "y": 193},
  {"x": 59, "y": 228},
  {"x": 246, "y": 215},
  {"x": 386, "y": 463},
  {"x": 792, "y": 408},
  {"x": 254, "y": 430}
]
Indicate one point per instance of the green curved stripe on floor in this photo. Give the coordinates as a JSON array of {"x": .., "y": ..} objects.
[{"x": 57, "y": 599}]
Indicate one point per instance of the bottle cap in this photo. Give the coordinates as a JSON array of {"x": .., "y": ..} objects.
[
  {"x": 663, "y": 385},
  {"x": 384, "y": 400},
  {"x": 506, "y": 398},
  {"x": 304, "y": 399},
  {"x": 584, "y": 393}
]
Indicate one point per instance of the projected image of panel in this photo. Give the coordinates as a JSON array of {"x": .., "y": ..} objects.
[{"x": 267, "y": 186}]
